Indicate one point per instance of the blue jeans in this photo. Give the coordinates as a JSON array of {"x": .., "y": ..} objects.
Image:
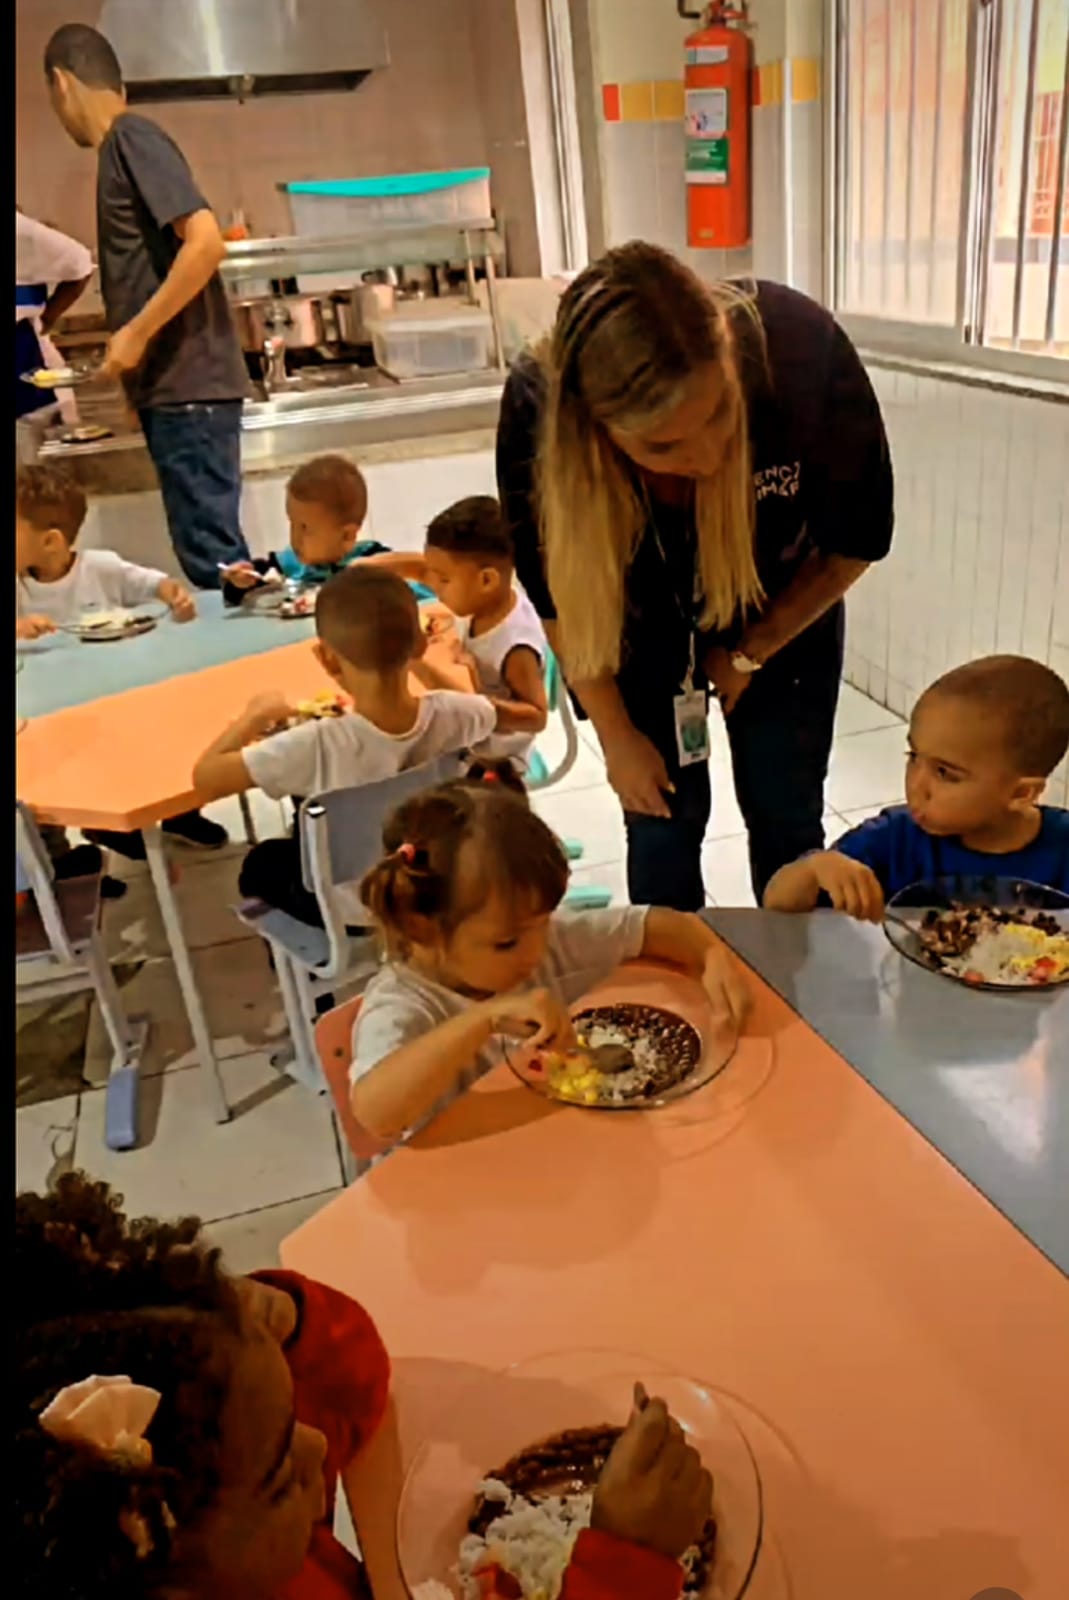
[
  {"x": 196, "y": 450},
  {"x": 780, "y": 735}
]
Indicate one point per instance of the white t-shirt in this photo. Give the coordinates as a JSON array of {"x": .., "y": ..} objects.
[
  {"x": 342, "y": 752},
  {"x": 44, "y": 255},
  {"x": 99, "y": 580},
  {"x": 400, "y": 1004},
  {"x": 491, "y": 650}
]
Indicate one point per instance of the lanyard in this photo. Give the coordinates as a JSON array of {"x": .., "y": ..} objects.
[{"x": 688, "y": 617}]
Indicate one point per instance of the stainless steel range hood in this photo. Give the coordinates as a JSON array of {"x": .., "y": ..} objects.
[{"x": 222, "y": 49}]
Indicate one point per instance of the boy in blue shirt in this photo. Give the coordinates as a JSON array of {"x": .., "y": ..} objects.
[
  {"x": 983, "y": 740},
  {"x": 326, "y": 507}
]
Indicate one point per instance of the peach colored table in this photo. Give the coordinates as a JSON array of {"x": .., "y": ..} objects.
[
  {"x": 896, "y": 1351},
  {"x": 126, "y": 762}
]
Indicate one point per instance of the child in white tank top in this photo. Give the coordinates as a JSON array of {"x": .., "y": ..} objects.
[{"x": 468, "y": 563}]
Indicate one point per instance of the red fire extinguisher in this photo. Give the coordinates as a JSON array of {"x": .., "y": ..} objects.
[{"x": 716, "y": 83}]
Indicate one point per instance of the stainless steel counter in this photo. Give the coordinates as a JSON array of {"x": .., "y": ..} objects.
[
  {"x": 983, "y": 1076},
  {"x": 290, "y": 426}
]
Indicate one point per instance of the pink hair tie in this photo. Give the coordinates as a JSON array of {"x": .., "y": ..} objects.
[
  {"x": 407, "y": 853},
  {"x": 490, "y": 777}
]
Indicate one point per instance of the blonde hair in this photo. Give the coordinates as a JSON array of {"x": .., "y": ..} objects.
[{"x": 630, "y": 332}]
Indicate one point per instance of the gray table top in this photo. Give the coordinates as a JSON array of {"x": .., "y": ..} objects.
[
  {"x": 61, "y": 670},
  {"x": 983, "y": 1076}
]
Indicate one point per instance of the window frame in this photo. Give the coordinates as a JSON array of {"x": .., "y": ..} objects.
[{"x": 959, "y": 345}]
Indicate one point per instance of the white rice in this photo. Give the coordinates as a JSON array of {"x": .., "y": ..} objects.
[
  {"x": 1005, "y": 954},
  {"x": 532, "y": 1540}
]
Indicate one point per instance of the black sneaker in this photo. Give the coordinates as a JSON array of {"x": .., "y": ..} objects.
[
  {"x": 82, "y": 862},
  {"x": 194, "y": 829},
  {"x": 129, "y": 845}
]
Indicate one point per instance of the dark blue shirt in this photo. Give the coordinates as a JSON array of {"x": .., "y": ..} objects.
[{"x": 901, "y": 853}]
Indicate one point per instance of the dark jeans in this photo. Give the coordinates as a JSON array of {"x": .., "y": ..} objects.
[
  {"x": 780, "y": 735},
  {"x": 196, "y": 450},
  {"x": 271, "y": 872}
]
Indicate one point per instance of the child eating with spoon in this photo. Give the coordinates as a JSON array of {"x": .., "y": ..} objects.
[{"x": 466, "y": 897}]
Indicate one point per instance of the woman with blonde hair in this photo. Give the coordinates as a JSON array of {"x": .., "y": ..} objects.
[{"x": 693, "y": 476}]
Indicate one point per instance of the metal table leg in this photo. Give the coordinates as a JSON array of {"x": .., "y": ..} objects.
[{"x": 172, "y": 922}]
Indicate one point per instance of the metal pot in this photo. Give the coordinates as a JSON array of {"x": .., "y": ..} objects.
[
  {"x": 302, "y": 322},
  {"x": 351, "y": 308}
]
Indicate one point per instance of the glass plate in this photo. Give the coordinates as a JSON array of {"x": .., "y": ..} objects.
[
  {"x": 942, "y": 894},
  {"x": 715, "y": 1051},
  {"x": 504, "y": 1412}
]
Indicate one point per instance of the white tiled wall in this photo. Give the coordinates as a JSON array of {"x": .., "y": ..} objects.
[{"x": 980, "y": 562}]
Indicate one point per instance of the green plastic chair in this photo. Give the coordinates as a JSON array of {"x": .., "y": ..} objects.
[{"x": 586, "y": 897}]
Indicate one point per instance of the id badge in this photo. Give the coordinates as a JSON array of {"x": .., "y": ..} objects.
[{"x": 692, "y": 726}]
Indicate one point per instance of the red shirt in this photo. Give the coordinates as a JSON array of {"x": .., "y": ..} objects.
[{"x": 341, "y": 1377}]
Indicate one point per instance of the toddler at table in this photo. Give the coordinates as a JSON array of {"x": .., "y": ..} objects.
[
  {"x": 326, "y": 506},
  {"x": 466, "y": 897},
  {"x": 983, "y": 740},
  {"x": 55, "y": 583},
  {"x": 468, "y": 563},
  {"x": 182, "y": 1432},
  {"x": 367, "y": 622}
]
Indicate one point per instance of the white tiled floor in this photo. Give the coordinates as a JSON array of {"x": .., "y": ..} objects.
[{"x": 256, "y": 1178}]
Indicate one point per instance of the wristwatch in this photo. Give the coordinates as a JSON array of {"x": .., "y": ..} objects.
[{"x": 745, "y": 664}]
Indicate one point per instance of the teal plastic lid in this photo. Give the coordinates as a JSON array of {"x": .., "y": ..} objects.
[{"x": 399, "y": 183}]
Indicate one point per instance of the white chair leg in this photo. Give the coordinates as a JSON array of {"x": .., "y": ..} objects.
[
  {"x": 307, "y": 1055},
  {"x": 123, "y": 1035},
  {"x": 293, "y": 985}
]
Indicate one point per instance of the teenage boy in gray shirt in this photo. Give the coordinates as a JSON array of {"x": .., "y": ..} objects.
[{"x": 172, "y": 343}]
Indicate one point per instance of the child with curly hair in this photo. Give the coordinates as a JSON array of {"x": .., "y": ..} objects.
[{"x": 179, "y": 1433}]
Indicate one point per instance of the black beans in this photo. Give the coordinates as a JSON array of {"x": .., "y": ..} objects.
[
  {"x": 571, "y": 1463},
  {"x": 675, "y": 1047}
]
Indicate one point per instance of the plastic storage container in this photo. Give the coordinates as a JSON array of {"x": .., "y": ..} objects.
[
  {"x": 427, "y": 338},
  {"x": 333, "y": 208}
]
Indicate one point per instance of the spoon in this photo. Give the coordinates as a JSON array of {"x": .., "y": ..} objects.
[{"x": 607, "y": 1058}]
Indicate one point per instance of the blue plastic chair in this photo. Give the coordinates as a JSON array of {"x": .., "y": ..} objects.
[{"x": 341, "y": 839}]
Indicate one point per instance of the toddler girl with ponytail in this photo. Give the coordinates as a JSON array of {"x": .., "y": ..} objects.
[{"x": 467, "y": 898}]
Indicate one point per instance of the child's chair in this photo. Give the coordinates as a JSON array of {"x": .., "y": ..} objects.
[
  {"x": 58, "y": 945},
  {"x": 540, "y": 776},
  {"x": 341, "y": 837},
  {"x": 333, "y": 1038}
]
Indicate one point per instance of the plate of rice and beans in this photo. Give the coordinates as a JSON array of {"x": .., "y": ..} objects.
[
  {"x": 494, "y": 1503},
  {"x": 985, "y": 932},
  {"x": 628, "y": 1056}
]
